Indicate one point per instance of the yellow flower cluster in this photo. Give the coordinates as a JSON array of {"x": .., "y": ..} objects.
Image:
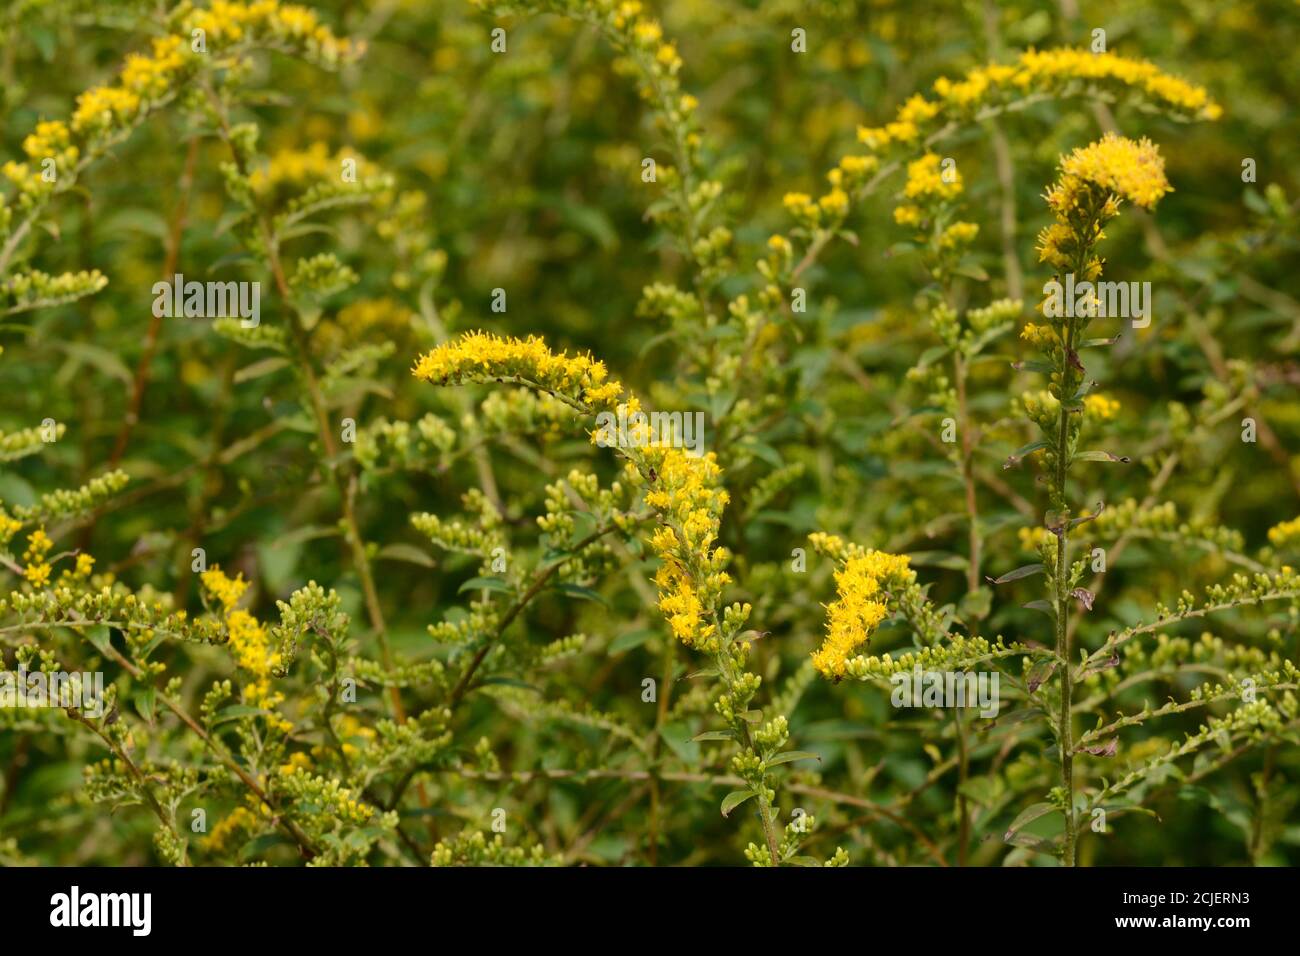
[
  {"x": 1042, "y": 335},
  {"x": 1101, "y": 407},
  {"x": 50, "y": 140},
  {"x": 644, "y": 34},
  {"x": 80, "y": 570},
  {"x": 145, "y": 82},
  {"x": 1094, "y": 180},
  {"x": 684, "y": 489},
  {"x": 687, "y": 493},
  {"x": 152, "y": 77},
  {"x": 1052, "y": 72},
  {"x": 239, "y": 820},
  {"x": 958, "y": 234},
  {"x": 1285, "y": 533},
  {"x": 290, "y": 170},
  {"x": 9, "y": 527},
  {"x": 228, "y": 22},
  {"x": 35, "y": 568},
  {"x": 929, "y": 185},
  {"x": 861, "y": 604},
  {"x": 480, "y": 356},
  {"x": 349, "y": 728},
  {"x": 1050, "y": 68},
  {"x": 250, "y": 644},
  {"x": 926, "y": 180},
  {"x": 1116, "y": 164},
  {"x": 227, "y": 591},
  {"x": 365, "y": 320},
  {"x": 1031, "y": 539},
  {"x": 830, "y": 209}
]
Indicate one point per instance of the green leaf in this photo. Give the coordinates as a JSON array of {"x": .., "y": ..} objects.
[
  {"x": 1026, "y": 817},
  {"x": 1039, "y": 673},
  {"x": 972, "y": 271},
  {"x": 485, "y": 584},
  {"x": 1016, "y": 456},
  {"x": 261, "y": 367},
  {"x": 1023, "y": 571},
  {"x": 511, "y": 682},
  {"x": 735, "y": 799},
  {"x": 1034, "y": 365},
  {"x": 714, "y": 735},
  {"x": 937, "y": 559},
  {"x": 584, "y": 593},
  {"x": 1099, "y": 456},
  {"x": 144, "y": 703},
  {"x": 100, "y": 637},
  {"x": 404, "y": 552},
  {"x": 705, "y": 672},
  {"x": 976, "y": 604},
  {"x": 235, "y": 712},
  {"x": 932, "y": 355},
  {"x": 630, "y": 639},
  {"x": 677, "y": 735},
  {"x": 96, "y": 356},
  {"x": 260, "y": 844},
  {"x": 790, "y": 756},
  {"x": 1098, "y": 343}
]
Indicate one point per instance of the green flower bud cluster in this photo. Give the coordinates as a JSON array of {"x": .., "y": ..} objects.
[
  {"x": 418, "y": 742},
  {"x": 457, "y": 536},
  {"x": 475, "y": 849},
  {"x": 398, "y": 445},
  {"x": 28, "y": 441},
  {"x": 112, "y": 605},
  {"x": 464, "y": 627},
  {"x": 1161, "y": 522},
  {"x": 959, "y": 653},
  {"x": 321, "y": 276},
  {"x": 523, "y": 412},
  {"x": 24, "y": 291},
  {"x": 67, "y": 503},
  {"x": 430, "y": 674},
  {"x": 261, "y": 336}
]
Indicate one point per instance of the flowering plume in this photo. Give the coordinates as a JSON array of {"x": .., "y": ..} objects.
[
  {"x": 1133, "y": 171},
  {"x": 861, "y": 605},
  {"x": 684, "y": 490},
  {"x": 1094, "y": 180}
]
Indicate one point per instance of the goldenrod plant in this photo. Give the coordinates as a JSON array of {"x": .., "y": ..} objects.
[{"x": 543, "y": 432}]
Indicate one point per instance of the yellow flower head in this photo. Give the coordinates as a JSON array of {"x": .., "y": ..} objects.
[
  {"x": 1285, "y": 533},
  {"x": 225, "y": 590},
  {"x": 958, "y": 234},
  {"x": 927, "y": 179},
  {"x": 1101, "y": 407},
  {"x": 480, "y": 356},
  {"x": 1131, "y": 170},
  {"x": 859, "y": 608}
]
